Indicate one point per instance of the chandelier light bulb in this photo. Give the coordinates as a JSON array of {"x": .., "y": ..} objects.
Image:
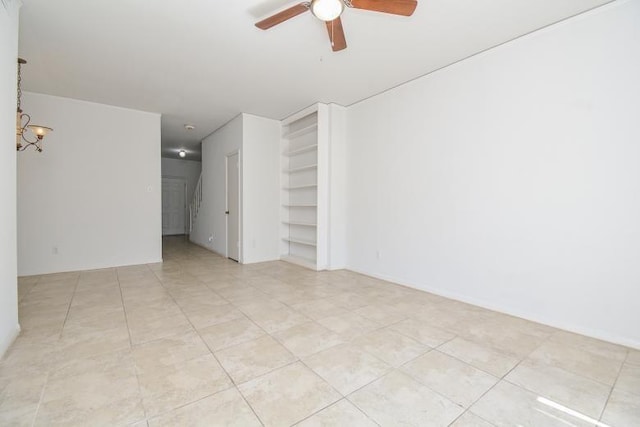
[
  {"x": 327, "y": 10},
  {"x": 39, "y": 131}
]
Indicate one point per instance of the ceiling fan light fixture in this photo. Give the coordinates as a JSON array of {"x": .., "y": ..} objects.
[{"x": 327, "y": 10}]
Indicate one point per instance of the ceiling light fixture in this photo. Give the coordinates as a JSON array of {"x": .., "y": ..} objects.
[
  {"x": 189, "y": 127},
  {"x": 21, "y": 129},
  {"x": 182, "y": 153},
  {"x": 327, "y": 10}
]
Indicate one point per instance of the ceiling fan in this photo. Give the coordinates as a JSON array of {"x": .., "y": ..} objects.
[{"x": 329, "y": 11}]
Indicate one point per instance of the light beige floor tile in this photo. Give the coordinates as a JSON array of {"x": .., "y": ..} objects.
[
  {"x": 18, "y": 417},
  {"x": 347, "y": 367},
  {"x": 19, "y": 398},
  {"x": 251, "y": 359},
  {"x": 348, "y": 300},
  {"x": 633, "y": 358},
  {"x": 481, "y": 357},
  {"x": 382, "y": 314},
  {"x": 391, "y": 346},
  {"x": 259, "y": 305},
  {"x": 623, "y": 409},
  {"x": 169, "y": 350},
  {"x": 277, "y": 320},
  {"x": 83, "y": 381},
  {"x": 497, "y": 320},
  {"x": 319, "y": 309},
  {"x": 468, "y": 419},
  {"x": 288, "y": 395},
  {"x": 460, "y": 382},
  {"x": 507, "y": 405},
  {"x": 510, "y": 341},
  {"x": 230, "y": 333},
  {"x": 629, "y": 379},
  {"x": 167, "y": 387},
  {"x": 342, "y": 413},
  {"x": 95, "y": 391},
  {"x": 307, "y": 338},
  {"x": 578, "y": 361},
  {"x": 120, "y": 362},
  {"x": 303, "y": 295},
  {"x": 145, "y": 330},
  {"x": 79, "y": 341},
  {"x": 422, "y": 332},
  {"x": 397, "y": 399},
  {"x": 214, "y": 315},
  {"x": 226, "y": 408},
  {"x": 97, "y": 316},
  {"x": 199, "y": 303},
  {"x": 571, "y": 390},
  {"x": 591, "y": 345},
  {"x": 27, "y": 356},
  {"x": 350, "y": 325}
]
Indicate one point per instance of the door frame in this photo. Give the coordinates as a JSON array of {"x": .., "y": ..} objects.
[
  {"x": 226, "y": 203},
  {"x": 186, "y": 201}
]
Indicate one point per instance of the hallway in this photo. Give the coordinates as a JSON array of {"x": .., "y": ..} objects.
[{"x": 202, "y": 340}]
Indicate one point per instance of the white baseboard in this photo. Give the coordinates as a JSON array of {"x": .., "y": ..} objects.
[
  {"x": 614, "y": 339},
  {"x": 5, "y": 342},
  {"x": 208, "y": 248}
]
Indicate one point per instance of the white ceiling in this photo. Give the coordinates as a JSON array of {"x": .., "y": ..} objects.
[{"x": 203, "y": 61}]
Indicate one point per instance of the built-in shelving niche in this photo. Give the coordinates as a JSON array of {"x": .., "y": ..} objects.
[{"x": 299, "y": 211}]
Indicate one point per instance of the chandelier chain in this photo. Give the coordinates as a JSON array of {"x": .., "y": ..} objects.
[{"x": 19, "y": 86}]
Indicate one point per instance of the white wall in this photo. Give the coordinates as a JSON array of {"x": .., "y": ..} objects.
[
  {"x": 338, "y": 166},
  {"x": 8, "y": 255},
  {"x": 511, "y": 179},
  {"x": 211, "y": 220},
  {"x": 261, "y": 188},
  {"x": 93, "y": 193},
  {"x": 258, "y": 140},
  {"x": 189, "y": 170}
]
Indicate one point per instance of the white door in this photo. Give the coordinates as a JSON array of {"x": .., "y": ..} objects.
[
  {"x": 233, "y": 207},
  {"x": 174, "y": 205}
]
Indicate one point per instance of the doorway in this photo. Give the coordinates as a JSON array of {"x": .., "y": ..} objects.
[
  {"x": 174, "y": 206},
  {"x": 233, "y": 205}
]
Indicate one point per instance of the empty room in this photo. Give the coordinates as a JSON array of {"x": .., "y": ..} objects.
[{"x": 350, "y": 213}]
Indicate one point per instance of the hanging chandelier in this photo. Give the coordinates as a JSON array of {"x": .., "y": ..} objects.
[{"x": 23, "y": 130}]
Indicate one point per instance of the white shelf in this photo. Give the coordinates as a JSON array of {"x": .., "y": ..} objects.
[
  {"x": 303, "y": 168},
  {"x": 301, "y": 261},
  {"x": 304, "y": 224},
  {"x": 299, "y": 241},
  {"x": 300, "y": 205},
  {"x": 299, "y": 132},
  {"x": 307, "y": 149},
  {"x": 300, "y": 187},
  {"x": 299, "y": 229}
]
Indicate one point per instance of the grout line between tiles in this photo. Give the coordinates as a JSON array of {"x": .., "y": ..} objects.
[
  {"x": 613, "y": 387},
  {"x": 135, "y": 367},
  {"x": 35, "y": 415},
  {"x": 211, "y": 351},
  {"x": 247, "y": 276}
]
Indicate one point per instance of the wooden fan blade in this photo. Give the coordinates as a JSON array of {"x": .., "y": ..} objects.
[
  {"x": 336, "y": 34},
  {"x": 396, "y": 7},
  {"x": 280, "y": 17}
]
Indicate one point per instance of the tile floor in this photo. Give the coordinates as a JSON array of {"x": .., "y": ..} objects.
[{"x": 200, "y": 340}]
